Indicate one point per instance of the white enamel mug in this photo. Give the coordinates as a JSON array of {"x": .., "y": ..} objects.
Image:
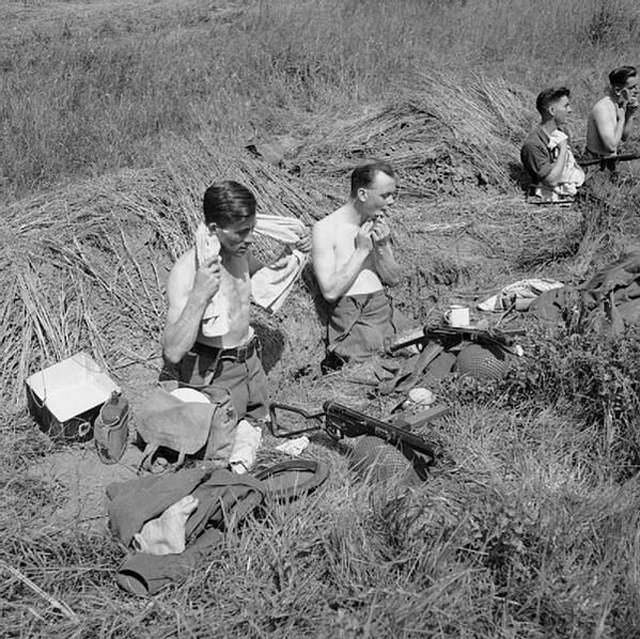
[{"x": 457, "y": 316}]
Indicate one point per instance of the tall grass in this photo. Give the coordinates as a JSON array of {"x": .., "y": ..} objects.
[
  {"x": 514, "y": 535},
  {"x": 86, "y": 95}
]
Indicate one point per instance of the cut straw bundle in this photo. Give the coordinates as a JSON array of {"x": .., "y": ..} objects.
[
  {"x": 86, "y": 268},
  {"x": 442, "y": 137}
]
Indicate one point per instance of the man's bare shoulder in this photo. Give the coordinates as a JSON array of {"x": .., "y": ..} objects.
[
  {"x": 333, "y": 222},
  {"x": 603, "y": 106}
]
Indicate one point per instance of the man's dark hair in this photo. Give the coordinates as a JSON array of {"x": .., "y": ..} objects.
[
  {"x": 226, "y": 202},
  {"x": 547, "y": 97},
  {"x": 364, "y": 174},
  {"x": 618, "y": 77}
]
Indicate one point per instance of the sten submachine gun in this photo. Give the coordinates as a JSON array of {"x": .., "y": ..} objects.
[
  {"x": 449, "y": 336},
  {"x": 341, "y": 421},
  {"x": 610, "y": 161}
]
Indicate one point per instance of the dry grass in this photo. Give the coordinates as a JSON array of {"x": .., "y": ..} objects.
[
  {"x": 85, "y": 267},
  {"x": 518, "y": 532},
  {"x": 512, "y": 535},
  {"x": 443, "y": 139}
]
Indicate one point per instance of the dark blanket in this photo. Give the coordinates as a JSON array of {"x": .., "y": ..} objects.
[{"x": 610, "y": 300}]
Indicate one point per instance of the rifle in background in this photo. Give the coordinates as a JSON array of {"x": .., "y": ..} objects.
[
  {"x": 449, "y": 336},
  {"x": 609, "y": 162}
]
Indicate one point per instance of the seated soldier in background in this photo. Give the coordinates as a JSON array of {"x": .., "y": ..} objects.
[
  {"x": 353, "y": 260},
  {"x": 545, "y": 154},
  {"x": 612, "y": 116}
]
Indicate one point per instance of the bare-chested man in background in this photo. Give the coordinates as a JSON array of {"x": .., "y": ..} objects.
[
  {"x": 612, "y": 115},
  {"x": 353, "y": 261}
]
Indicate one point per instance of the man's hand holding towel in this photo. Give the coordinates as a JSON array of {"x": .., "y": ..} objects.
[{"x": 215, "y": 320}]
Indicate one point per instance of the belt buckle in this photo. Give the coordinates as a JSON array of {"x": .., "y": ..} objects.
[{"x": 242, "y": 354}]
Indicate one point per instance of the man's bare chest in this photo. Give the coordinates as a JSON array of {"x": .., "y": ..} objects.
[
  {"x": 235, "y": 283},
  {"x": 345, "y": 244}
]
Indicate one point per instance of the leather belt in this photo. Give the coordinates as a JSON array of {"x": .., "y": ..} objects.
[{"x": 239, "y": 354}]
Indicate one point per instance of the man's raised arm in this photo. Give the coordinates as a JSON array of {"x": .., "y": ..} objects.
[
  {"x": 555, "y": 175},
  {"x": 629, "y": 112},
  {"x": 188, "y": 299},
  {"x": 389, "y": 271},
  {"x": 335, "y": 282},
  {"x": 612, "y": 127}
]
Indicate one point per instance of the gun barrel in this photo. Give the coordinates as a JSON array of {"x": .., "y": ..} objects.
[
  {"x": 625, "y": 157},
  {"x": 502, "y": 336}
]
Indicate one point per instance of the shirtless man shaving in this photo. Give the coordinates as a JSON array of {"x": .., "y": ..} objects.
[
  {"x": 228, "y": 361},
  {"x": 612, "y": 115},
  {"x": 352, "y": 260}
]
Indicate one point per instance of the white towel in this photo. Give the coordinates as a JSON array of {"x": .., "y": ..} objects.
[
  {"x": 215, "y": 321},
  {"x": 572, "y": 175},
  {"x": 519, "y": 294},
  {"x": 287, "y": 230},
  {"x": 269, "y": 286},
  {"x": 245, "y": 446}
]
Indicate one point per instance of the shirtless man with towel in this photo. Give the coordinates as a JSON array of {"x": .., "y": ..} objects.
[{"x": 208, "y": 331}]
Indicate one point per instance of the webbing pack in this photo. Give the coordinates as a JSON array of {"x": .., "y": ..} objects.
[{"x": 187, "y": 428}]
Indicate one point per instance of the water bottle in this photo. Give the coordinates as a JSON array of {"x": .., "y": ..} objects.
[
  {"x": 115, "y": 409},
  {"x": 111, "y": 429}
]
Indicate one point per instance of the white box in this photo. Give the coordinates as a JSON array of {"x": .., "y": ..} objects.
[{"x": 65, "y": 398}]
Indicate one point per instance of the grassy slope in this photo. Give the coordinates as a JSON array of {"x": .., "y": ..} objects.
[{"x": 520, "y": 531}]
